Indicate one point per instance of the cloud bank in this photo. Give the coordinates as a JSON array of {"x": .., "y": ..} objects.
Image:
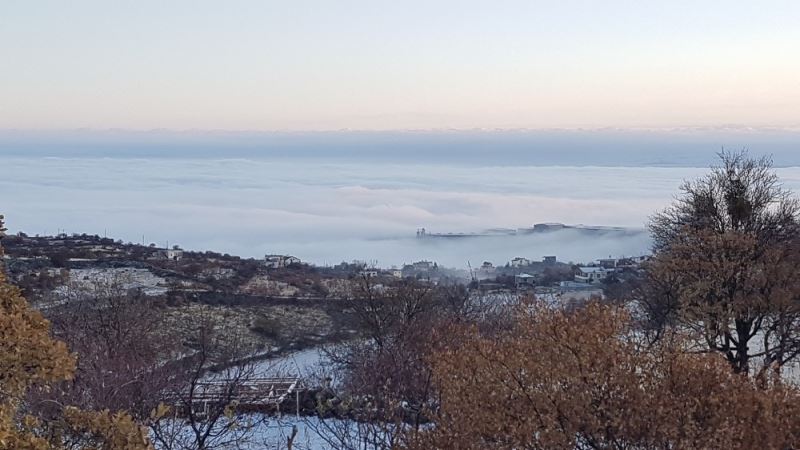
[{"x": 326, "y": 212}]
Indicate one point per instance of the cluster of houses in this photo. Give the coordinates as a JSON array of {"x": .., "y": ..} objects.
[
  {"x": 423, "y": 270},
  {"x": 420, "y": 270},
  {"x": 525, "y": 262},
  {"x": 588, "y": 279},
  {"x": 522, "y": 268},
  {"x": 547, "y": 278},
  {"x": 602, "y": 269},
  {"x": 84, "y": 247},
  {"x": 551, "y": 279},
  {"x": 595, "y": 272}
]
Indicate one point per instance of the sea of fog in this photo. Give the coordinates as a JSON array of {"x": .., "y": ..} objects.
[{"x": 327, "y": 205}]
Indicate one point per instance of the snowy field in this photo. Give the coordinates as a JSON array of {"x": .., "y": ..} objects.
[{"x": 120, "y": 279}]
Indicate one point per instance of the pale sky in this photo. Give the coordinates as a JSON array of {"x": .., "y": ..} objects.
[{"x": 373, "y": 64}]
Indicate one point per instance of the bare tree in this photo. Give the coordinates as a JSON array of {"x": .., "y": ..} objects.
[
  {"x": 382, "y": 382},
  {"x": 724, "y": 266},
  {"x": 743, "y": 195},
  {"x": 125, "y": 351},
  {"x": 213, "y": 404},
  {"x": 188, "y": 381}
]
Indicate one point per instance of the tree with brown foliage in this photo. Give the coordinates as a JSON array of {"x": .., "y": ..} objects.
[
  {"x": 30, "y": 359},
  {"x": 724, "y": 265},
  {"x": 584, "y": 380}
]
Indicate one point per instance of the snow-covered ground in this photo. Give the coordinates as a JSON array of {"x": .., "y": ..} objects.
[
  {"x": 300, "y": 364},
  {"x": 122, "y": 278},
  {"x": 273, "y": 432}
]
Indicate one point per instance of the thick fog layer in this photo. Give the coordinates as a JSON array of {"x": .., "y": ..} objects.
[{"x": 326, "y": 210}]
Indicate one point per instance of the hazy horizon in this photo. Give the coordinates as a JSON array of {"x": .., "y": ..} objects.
[
  {"x": 694, "y": 147},
  {"x": 327, "y": 200}
]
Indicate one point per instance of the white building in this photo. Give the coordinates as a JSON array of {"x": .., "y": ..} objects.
[
  {"x": 486, "y": 270},
  {"x": 520, "y": 262},
  {"x": 171, "y": 254},
  {"x": 424, "y": 265},
  {"x": 524, "y": 279},
  {"x": 608, "y": 263},
  {"x": 280, "y": 261},
  {"x": 592, "y": 274}
]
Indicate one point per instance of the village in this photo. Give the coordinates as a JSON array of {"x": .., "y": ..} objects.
[
  {"x": 277, "y": 307},
  {"x": 45, "y": 265}
]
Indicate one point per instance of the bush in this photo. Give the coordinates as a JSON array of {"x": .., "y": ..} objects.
[{"x": 267, "y": 327}]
